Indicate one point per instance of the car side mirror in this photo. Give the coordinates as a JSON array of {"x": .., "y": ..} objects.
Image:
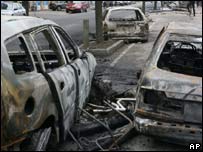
[{"x": 15, "y": 9}]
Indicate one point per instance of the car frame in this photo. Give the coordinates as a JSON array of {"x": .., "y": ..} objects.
[
  {"x": 169, "y": 103},
  {"x": 59, "y": 5},
  {"x": 42, "y": 90},
  {"x": 110, "y": 28},
  {"x": 17, "y": 9},
  {"x": 79, "y": 6}
]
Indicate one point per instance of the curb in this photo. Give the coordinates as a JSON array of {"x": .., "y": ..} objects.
[{"x": 106, "y": 51}]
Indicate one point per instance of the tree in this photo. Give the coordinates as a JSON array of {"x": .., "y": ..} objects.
[
  {"x": 143, "y": 7},
  {"x": 26, "y": 6},
  {"x": 98, "y": 15},
  {"x": 155, "y": 5}
]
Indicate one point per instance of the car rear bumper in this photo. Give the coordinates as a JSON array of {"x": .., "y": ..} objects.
[
  {"x": 73, "y": 9},
  {"x": 170, "y": 132},
  {"x": 136, "y": 36}
]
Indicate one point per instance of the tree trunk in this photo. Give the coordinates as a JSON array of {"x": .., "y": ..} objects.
[
  {"x": 26, "y": 6},
  {"x": 155, "y": 5},
  {"x": 98, "y": 15},
  {"x": 143, "y": 7}
]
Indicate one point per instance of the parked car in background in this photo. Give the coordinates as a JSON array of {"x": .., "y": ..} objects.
[
  {"x": 45, "y": 80},
  {"x": 58, "y": 5},
  {"x": 169, "y": 92},
  {"x": 13, "y": 9},
  {"x": 77, "y": 6},
  {"x": 125, "y": 23},
  {"x": 183, "y": 4}
]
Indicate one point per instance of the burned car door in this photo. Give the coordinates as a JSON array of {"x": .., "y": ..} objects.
[
  {"x": 83, "y": 64},
  {"x": 61, "y": 76},
  {"x": 25, "y": 92}
]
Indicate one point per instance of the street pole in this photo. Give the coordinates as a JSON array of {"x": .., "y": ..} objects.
[
  {"x": 98, "y": 15},
  {"x": 143, "y": 7},
  {"x": 85, "y": 33},
  {"x": 155, "y": 5}
]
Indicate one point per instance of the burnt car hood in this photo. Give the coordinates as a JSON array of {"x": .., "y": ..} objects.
[{"x": 174, "y": 85}]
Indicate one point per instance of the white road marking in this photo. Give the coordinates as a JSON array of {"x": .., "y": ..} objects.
[{"x": 121, "y": 55}]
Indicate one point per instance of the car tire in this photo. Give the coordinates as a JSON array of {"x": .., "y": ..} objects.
[
  {"x": 34, "y": 144},
  {"x": 59, "y": 8}
]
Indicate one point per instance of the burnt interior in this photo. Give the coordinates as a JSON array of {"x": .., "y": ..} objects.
[
  {"x": 19, "y": 56},
  {"x": 125, "y": 15},
  {"x": 182, "y": 57}
]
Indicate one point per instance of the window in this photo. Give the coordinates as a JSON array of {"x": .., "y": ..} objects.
[
  {"x": 19, "y": 56},
  {"x": 6, "y": 6},
  {"x": 20, "y": 6},
  {"x": 49, "y": 50},
  {"x": 66, "y": 42},
  {"x": 15, "y": 6},
  {"x": 125, "y": 15},
  {"x": 33, "y": 51},
  {"x": 182, "y": 57}
]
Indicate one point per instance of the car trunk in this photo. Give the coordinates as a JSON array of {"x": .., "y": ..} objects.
[
  {"x": 173, "y": 95},
  {"x": 126, "y": 28}
]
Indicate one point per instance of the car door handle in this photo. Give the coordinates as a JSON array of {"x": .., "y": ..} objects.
[
  {"x": 78, "y": 71},
  {"x": 62, "y": 84}
]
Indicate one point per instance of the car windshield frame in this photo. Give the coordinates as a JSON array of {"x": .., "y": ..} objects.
[
  {"x": 124, "y": 11},
  {"x": 195, "y": 40}
]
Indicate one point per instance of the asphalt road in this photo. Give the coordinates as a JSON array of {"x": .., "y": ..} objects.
[{"x": 72, "y": 23}]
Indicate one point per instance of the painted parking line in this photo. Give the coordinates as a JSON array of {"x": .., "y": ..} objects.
[{"x": 121, "y": 55}]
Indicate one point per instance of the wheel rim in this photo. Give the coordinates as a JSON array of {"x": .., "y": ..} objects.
[{"x": 43, "y": 141}]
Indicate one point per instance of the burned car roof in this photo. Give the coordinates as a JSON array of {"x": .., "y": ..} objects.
[
  {"x": 122, "y": 7},
  {"x": 22, "y": 23}
]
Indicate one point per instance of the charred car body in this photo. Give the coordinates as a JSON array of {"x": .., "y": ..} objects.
[
  {"x": 45, "y": 78},
  {"x": 169, "y": 93},
  {"x": 125, "y": 23}
]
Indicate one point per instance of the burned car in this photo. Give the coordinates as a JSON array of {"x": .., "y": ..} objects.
[
  {"x": 169, "y": 92},
  {"x": 125, "y": 23},
  {"x": 45, "y": 79}
]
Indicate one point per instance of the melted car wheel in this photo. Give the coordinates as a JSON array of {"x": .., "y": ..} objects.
[{"x": 38, "y": 140}]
